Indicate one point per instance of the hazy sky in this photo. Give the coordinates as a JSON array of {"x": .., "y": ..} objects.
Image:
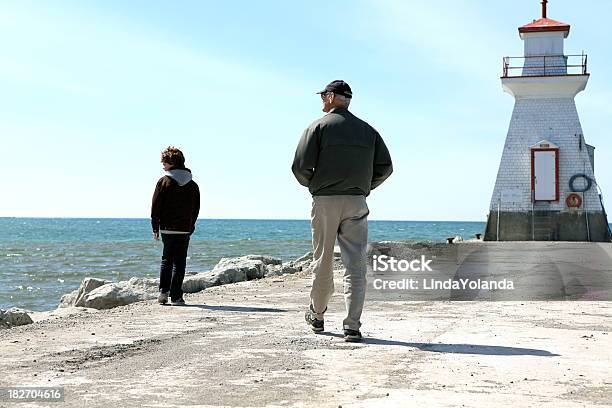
[{"x": 91, "y": 92}]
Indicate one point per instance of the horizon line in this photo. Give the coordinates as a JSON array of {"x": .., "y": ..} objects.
[{"x": 217, "y": 219}]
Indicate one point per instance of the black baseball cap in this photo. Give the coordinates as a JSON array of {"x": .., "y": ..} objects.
[{"x": 338, "y": 87}]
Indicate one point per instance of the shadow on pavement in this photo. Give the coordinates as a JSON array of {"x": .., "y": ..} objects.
[
  {"x": 237, "y": 308},
  {"x": 457, "y": 348}
]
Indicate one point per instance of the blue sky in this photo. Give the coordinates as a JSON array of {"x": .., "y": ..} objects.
[{"x": 91, "y": 92}]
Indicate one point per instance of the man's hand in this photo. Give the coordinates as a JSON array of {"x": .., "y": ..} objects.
[{"x": 156, "y": 236}]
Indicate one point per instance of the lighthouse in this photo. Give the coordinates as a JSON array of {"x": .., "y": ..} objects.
[{"x": 546, "y": 188}]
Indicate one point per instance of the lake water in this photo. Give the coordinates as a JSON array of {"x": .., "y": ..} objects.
[{"x": 41, "y": 259}]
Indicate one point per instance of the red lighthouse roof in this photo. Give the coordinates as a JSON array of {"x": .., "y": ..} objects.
[{"x": 544, "y": 24}]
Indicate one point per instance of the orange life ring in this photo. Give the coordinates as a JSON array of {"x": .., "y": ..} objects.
[{"x": 573, "y": 200}]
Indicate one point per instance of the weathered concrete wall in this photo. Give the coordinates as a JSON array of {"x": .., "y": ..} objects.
[{"x": 563, "y": 226}]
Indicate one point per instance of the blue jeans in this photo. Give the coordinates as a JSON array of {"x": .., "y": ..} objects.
[{"x": 173, "y": 263}]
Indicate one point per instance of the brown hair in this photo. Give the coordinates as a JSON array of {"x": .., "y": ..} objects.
[{"x": 173, "y": 156}]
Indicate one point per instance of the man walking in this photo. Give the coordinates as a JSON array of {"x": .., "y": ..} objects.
[
  {"x": 340, "y": 158},
  {"x": 174, "y": 212}
]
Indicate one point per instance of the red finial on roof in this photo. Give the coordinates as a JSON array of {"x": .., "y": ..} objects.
[{"x": 544, "y": 24}]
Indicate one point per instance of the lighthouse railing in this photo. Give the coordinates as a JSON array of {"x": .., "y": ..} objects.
[{"x": 544, "y": 65}]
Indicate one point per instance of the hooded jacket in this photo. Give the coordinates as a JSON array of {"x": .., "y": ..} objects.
[
  {"x": 176, "y": 202},
  {"x": 340, "y": 154}
]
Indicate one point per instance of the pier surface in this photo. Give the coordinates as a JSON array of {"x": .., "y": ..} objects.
[{"x": 246, "y": 345}]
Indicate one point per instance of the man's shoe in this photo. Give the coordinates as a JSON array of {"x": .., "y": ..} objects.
[
  {"x": 162, "y": 299},
  {"x": 315, "y": 324},
  {"x": 352, "y": 336},
  {"x": 178, "y": 302}
]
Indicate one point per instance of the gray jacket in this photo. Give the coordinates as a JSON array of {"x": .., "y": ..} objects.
[{"x": 340, "y": 154}]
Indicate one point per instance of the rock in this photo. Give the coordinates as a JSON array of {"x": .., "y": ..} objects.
[
  {"x": 267, "y": 260},
  {"x": 145, "y": 284},
  {"x": 234, "y": 274},
  {"x": 232, "y": 270},
  {"x": 290, "y": 267},
  {"x": 77, "y": 297},
  {"x": 305, "y": 257},
  {"x": 199, "y": 282},
  {"x": 69, "y": 299},
  {"x": 14, "y": 317},
  {"x": 304, "y": 264},
  {"x": 273, "y": 270},
  {"x": 111, "y": 295},
  {"x": 4, "y": 324},
  {"x": 286, "y": 268},
  {"x": 122, "y": 293},
  {"x": 239, "y": 269}
]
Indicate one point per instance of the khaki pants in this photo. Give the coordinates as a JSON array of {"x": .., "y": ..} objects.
[{"x": 343, "y": 217}]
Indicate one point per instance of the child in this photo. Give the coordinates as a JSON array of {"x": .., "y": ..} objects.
[{"x": 175, "y": 208}]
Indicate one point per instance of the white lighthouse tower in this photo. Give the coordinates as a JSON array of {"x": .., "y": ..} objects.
[{"x": 545, "y": 187}]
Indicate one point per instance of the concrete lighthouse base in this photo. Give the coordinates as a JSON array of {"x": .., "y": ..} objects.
[{"x": 547, "y": 226}]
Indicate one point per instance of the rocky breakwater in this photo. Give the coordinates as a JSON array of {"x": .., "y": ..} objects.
[{"x": 101, "y": 294}]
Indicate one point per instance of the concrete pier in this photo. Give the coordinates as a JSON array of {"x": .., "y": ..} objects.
[{"x": 246, "y": 345}]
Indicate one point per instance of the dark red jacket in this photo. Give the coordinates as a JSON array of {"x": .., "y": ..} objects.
[{"x": 176, "y": 202}]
